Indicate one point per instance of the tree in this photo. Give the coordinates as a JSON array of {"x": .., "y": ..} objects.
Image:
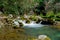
[
  {"x": 40, "y": 8},
  {"x": 52, "y": 5}
]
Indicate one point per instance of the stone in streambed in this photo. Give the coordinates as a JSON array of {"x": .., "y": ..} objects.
[{"x": 27, "y": 21}]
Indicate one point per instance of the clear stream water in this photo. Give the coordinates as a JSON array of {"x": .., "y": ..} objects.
[{"x": 35, "y": 30}]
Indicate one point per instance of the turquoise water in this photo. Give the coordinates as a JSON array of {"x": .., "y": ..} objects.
[
  {"x": 35, "y": 30},
  {"x": 54, "y": 34}
]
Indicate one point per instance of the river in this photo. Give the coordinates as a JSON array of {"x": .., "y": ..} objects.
[{"x": 35, "y": 30}]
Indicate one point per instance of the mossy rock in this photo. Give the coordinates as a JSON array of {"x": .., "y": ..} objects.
[
  {"x": 33, "y": 18},
  {"x": 27, "y": 21},
  {"x": 22, "y": 18},
  {"x": 38, "y": 20},
  {"x": 20, "y": 24},
  {"x": 15, "y": 27},
  {"x": 10, "y": 21}
]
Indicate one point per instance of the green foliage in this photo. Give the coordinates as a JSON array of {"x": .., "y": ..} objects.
[
  {"x": 18, "y": 6},
  {"x": 22, "y": 6},
  {"x": 10, "y": 6}
]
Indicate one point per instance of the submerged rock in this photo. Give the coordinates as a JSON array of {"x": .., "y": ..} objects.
[{"x": 43, "y": 37}]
